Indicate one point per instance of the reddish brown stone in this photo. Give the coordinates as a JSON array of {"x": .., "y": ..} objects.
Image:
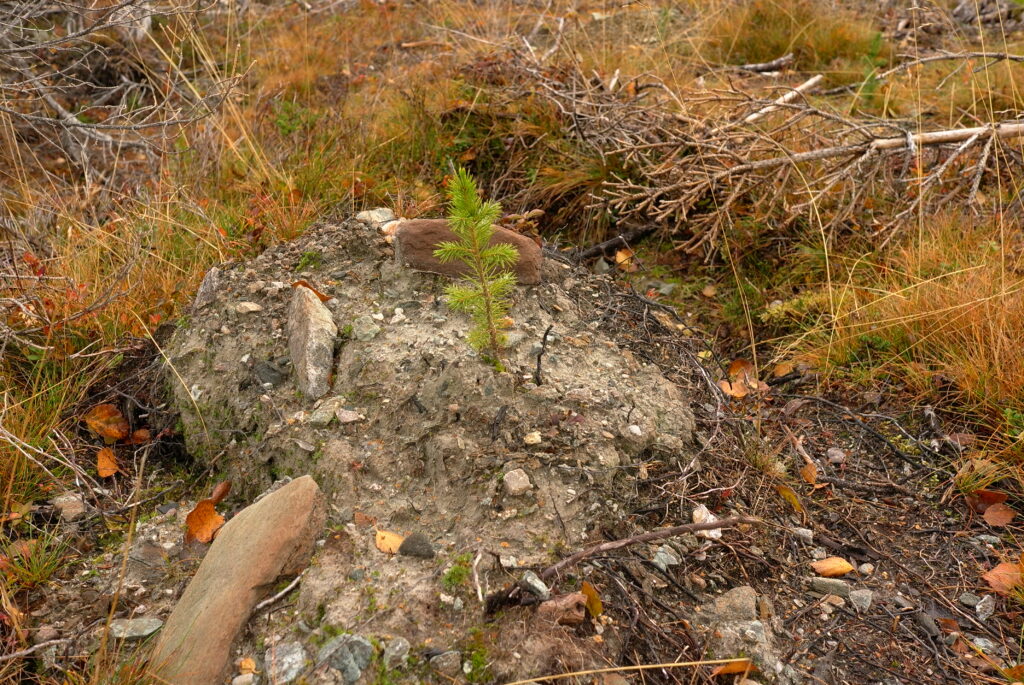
[
  {"x": 416, "y": 240},
  {"x": 273, "y": 537}
]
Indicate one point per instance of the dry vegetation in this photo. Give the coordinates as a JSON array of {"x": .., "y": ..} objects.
[{"x": 345, "y": 106}]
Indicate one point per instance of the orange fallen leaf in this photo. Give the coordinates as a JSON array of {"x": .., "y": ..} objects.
[
  {"x": 624, "y": 260},
  {"x": 203, "y": 522},
  {"x": 832, "y": 567},
  {"x": 594, "y": 605},
  {"x": 140, "y": 437},
  {"x": 738, "y": 666},
  {"x": 1004, "y": 578},
  {"x": 1014, "y": 673},
  {"x": 306, "y": 284},
  {"x": 742, "y": 380},
  {"x": 998, "y": 515},
  {"x": 809, "y": 472},
  {"x": 736, "y": 390},
  {"x": 783, "y": 369},
  {"x": 106, "y": 463},
  {"x": 106, "y": 421},
  {"x": 388, "y": 542},
  {"x": 363, "y": 520},
  {"x": 247, "y": 665}
]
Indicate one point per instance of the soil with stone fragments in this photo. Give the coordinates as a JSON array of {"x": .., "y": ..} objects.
[{"x": 489, "y": 476}]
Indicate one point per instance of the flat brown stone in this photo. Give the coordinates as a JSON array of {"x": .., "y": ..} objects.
[
  {"x": 416, "y": 240},
  {"x": 269, "y": 539}
]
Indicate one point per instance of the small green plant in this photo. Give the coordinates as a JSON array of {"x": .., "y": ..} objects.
[
  {"x": 309, "y": 260},
  {"x": 455, "y": 577},
  {"x": 484, "y": 293},
  {"x": 30, "y": 563}
]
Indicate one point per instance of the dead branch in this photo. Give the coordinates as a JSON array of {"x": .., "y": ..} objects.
[{"x": 731, "y": 522}]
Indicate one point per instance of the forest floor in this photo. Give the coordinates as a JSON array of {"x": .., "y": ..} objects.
[{"x": 847, "y": 322}]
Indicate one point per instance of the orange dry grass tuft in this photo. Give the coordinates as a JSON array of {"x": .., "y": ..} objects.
[{"x": 945, "y": 310}]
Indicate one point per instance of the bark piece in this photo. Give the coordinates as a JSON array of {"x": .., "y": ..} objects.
[{"x": 416, "y": 240}]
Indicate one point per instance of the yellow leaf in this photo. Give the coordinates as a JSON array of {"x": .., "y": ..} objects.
[
  {"x": 594, "y": 605},
  {"x": 790, "y": 496},
  {"x": 247, "y": 665},
  {"x": 832, "y": 567},
  {"x": 106, "y": 463},
  {"x": 388, "y": 542}
]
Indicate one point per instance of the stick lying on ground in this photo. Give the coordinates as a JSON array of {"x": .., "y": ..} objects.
[{"x": 509, "y": 596}]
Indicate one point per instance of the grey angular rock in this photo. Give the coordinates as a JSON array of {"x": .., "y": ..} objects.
[
  {"x": 396, "y": 652},
  {"x": 244, "y": 679},
  {"x": 350, "y": 654},
  {"x": 969, "y": 599},
  {"x": 285, "y": 662},
  {"x": 375, "y": 217},
  {"x": 665, "y": 557},
  {"x": 449, "y": 663},
  {"x": 271, "y": 538},
  {"x": 70, "y": 505},
  {"x": 268, "y": 374},
  {"x": 364, "y": 329},
  {"x": 311, "y": 334},
  {"x": 134, "y": 628},
  {"x": 536, "y": 586},
  {"x": 517, "y": 483},
  {"x": 805, "y": 534},
  {"x": 985, "y": 607},
  {"x": 861, "y": 599},
  {"x": 208, "y": 289},
  {"x": 831, "y": 586},
  {"x": 417, "y": 545},
  {"x": 248, "y": 307},
  {"x": 738, "y": 604}
]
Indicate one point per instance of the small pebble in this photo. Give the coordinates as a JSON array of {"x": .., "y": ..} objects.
[{"x": 866, "y": 569}]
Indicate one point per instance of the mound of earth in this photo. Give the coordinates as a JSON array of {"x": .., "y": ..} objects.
[{"x": 414, "y": 433}]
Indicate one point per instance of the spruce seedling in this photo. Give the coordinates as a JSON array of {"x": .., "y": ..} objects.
[{"x": 485, "y": 290}]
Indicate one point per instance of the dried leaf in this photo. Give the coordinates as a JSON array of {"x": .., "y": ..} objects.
[
  {"x": 203, "y": 522},
  {"x": 783, "y": 369},
  {"x": 306, "y": 284},
  {"x": 709, "y": 291},
  {"x": 790, "y": 496},
  {"x": 809, "y": 472},
  {"x": 1014, "y": 673},
  {"x": 221, "y": 491},
  {"x": 832, "y": 567},
  {"x": 736, "y": 390},
  {"x": 738, "y": 666},
  {"x": 388, "y": 542},
  {"x": 107, "y": 422},
  {"x": 1004, "y": 578},
  {"x": 981, "y": 500},
  {"x": 701, "y": 514},
  {"x": 594, "y": 605},
  {"x": 741, "y": 367},
  {"x": 998, "y": 515},
  {"x": 247, "y": 665},
  {"x": 624, "y": 260},
  {"x": 363, "y": 520},
  {"x": 106, "y": 463},
  {"x": 140, "y": 437}
]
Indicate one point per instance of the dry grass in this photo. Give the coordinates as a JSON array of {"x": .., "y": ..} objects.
[
  {"x": 944, "y": 312},
  {"x": 338, "y": 113}
]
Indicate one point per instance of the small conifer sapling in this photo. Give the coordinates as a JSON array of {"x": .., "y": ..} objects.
[{"x": 484, "y": 292}]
